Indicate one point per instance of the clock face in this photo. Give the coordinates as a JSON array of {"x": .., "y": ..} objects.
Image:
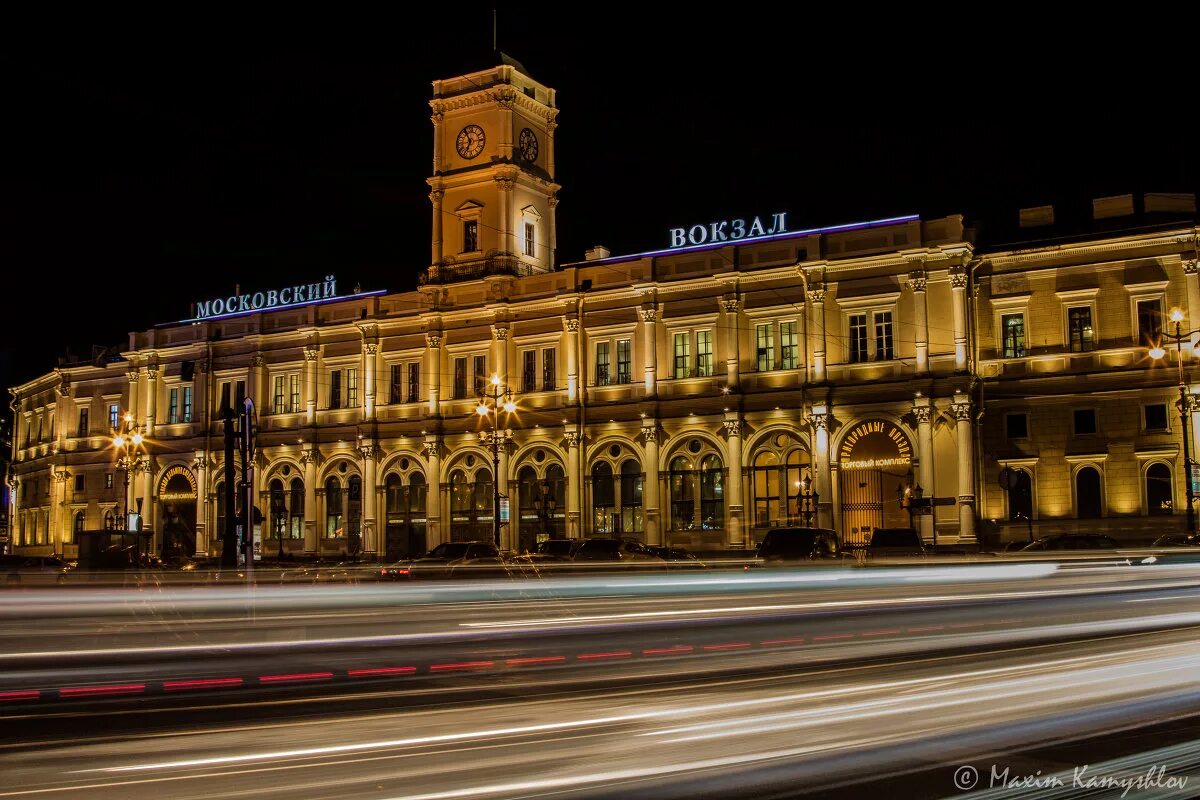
[
  {"x": 470, "y": 141},
  {"x": 529, "y": 145}
]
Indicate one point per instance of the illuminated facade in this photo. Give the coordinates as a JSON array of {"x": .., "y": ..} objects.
[{"x": 683, "y": 396}]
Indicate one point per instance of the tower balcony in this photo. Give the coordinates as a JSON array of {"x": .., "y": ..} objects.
[{"x": 440, "y": 274}]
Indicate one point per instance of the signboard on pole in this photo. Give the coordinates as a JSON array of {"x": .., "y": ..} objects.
[
  {"x": 504, "y": 508},
  {"x": 1195, "y": 478}
]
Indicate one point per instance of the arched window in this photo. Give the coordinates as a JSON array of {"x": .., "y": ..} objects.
[
  {"x": 78, "y": 527},
  {"x": 1159, "y": 497},
  {"x": 631, "y": 496},
  {"x": 333, "y": 509},
  {"x": 460, "y": 496},
  {"x": 603, "y": 498},
  {"x": 354, "y": 513},
  {"x": 471, "y": 503},
  {"x": 110, "y": 521},
  {"x": 395, "y": 502},
  {"x": 1020, "y": 496},
  {"x": 1088, "y": 502},
  {"x": 682, "y": 479},
  {"x": 416, "y": 496},
  {"x": 712, "y": 493},
  {"x": 528, "y": 492},
  {"x": 296, "y": 507},
  {"x": 278, "y": 509},
  {"x": 766, "y": 489}
]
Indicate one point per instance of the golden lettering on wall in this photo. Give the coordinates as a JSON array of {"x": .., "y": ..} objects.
[
  {"x": 178, "y": 469},
  {"x": 875, "y": 444}
]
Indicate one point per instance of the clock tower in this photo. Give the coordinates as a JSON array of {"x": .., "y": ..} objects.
[{"x": 492, "y": 189}]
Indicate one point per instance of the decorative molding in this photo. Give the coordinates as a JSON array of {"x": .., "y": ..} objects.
[
  {"x": 819, "y": 422},
  {"x": 500, "y": 333},
  {"x": 816, "y": 296},
  {"x": 573, "y": 438},
  {"x": 370, "y": 348},
  {"x": 966, "y": 499},
  {"x": 571, "y": 324},
  {"x": 312, "y": 353},
  {"x": 730, "y": 305},
  {"x": 433, "y": 340},
  {"x": 1190, "y": 265},
  {"x": 924, "y": 414},
  {"x": 431, "y": 449},
  {"x": 961, "y": 411},
  {"x": 650, "y": 434},
  {"x": 648, "y": 314},
  {"x": 310, "y": 456},
  {"x": 369, "y": 451},
  {"x": 258, "y": 361},
  {"x": 733, "y": 427},
  {"x": 958, "y": 279}
]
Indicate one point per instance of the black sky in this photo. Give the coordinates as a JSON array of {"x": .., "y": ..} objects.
[{"x": 150, "y": 163}]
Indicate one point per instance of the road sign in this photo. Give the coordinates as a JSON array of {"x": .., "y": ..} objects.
[
  {"x": 1195, "y": 478},
  {"x": 504, "y": 508}
]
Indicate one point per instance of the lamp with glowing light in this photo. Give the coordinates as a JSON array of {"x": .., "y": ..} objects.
[
  {"x": 1157, "y": 352},
  {"x": 127, "y": 441},
  {"x": 494, "y": 398},
  {"x": 806, "y": 499}
]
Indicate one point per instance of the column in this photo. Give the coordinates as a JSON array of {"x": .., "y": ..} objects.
[
  {"x": 507, "y": 540},
  {"x": 961, "y": 410},
  {"x": 370, "y": 361},
  {"x": 146, "y": 495},
  {"x": 435, "y": 197},
  {"x": 258, "y": 388},
  {"x": 200, "y": 468},
  {"x": 916, "y": 284},
  {"x": 134, "y": 390},
  {"x": 651, "y": 504},
  {"x": 571, "y": 323},
  {"x": 822, "y": 471},
  {"x": 58, "y": 502},
  {"x": 574, "y": 482},
  {"x": 650, "y": 349},
  {"x": 433, "y": 369},
  {"x": 202, "y": 413},
  {"x": 312, "y": 354},
  {"x": 151, "y": 397},
  {"x": 923, "y": 411},
  {"x": 731, "y": 306},
  {"x": 816, "y": 299},
  {"x": 736, "y": 531},
  {"x": 370, "y": 453},
  {"x": 958, "y": 288},
  {"x": 504, "y": 183},
  {"x": 1192, "y": 280},
  {"x": 433, "y": 496},
  {"x": 551, "y": 230},
  {"x": 500, "y": 352},
  {"x": 308, "y": 458}
]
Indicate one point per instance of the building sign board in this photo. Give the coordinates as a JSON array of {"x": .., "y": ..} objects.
[
  {"x": 729, "y": 230},
  {"x": 286, "y": 297},
  {"x": 875, "y": 444}
]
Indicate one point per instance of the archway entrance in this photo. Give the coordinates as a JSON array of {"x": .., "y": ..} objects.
[
  {"x": 404, "y": 536},
  {"x": 873, "y": 461},
  {"x": 177, "y": 510}
]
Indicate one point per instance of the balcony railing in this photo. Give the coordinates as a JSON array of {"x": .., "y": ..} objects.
[{"x": 474, "y": 270}]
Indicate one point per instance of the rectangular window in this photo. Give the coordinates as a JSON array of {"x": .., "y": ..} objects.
[
  {"x": 460, "y": 377},
  {"x": 1016, "y": 426},
  {"x": 79, "y": 484},
  {"x": 414, "y": 382},
  {"x": 1085, "y": 421},
  {"x": 602, "y": 363},
  {"x": 239, "y": 395},
  {"x": 789, "y": 349},
  {"x": 481, "y": 377},
  {"x": 764, "y": 347},
  {"x": 108, "y": 480},
  {"x": 173, "y": 407},
  {"x": 529, "y": 371},
  {"x": 883, "y": 336},
  {"x": 530, "y": 240},
  {"x": 1156, "y": 417},
  {"x": 82, "y": 430},
  {"x": 858, "y": 338},
  {"x": 279, "y": 398},
  {"x": 294, "y": 393},
  {"x": 352, "y": 388},
  {"x": 1149, "y": 314},
  {"x": 1079, "y": 329},
  {"x": 1012, "y": 329},
  {"x": 679, "y": 368},
  {"x": 335, "y": 388},
  {"x": 624, "y": 361},
  {"x": 114, "y": 415},
  {"x": 704, "y": 354},
  {"x": 470, "y": 236},
  {"x": 396, "y": 392},
  {"x": 549, "y": 375},
  {"x": 187, "y": 404}
]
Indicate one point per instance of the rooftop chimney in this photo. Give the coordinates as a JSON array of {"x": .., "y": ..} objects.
[
  {"x": 596, "y": 253},
  {"x": 1120, "y": 205},
  {"x": 1037, "y": 216}
]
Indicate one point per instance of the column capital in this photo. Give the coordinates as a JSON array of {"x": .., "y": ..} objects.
[
  {"x": 916, "y": 281},
  {"x": 500, "y": 332},
  {"x": 730, "y": 305},
  {"x": 571, "y": 324},
  {"x": 370, "y": 348},
  {"x": 133, "y": 375},
  {"x": 369, "y": 451},
  {"x": 648, "y": 314},
  {"x": 650, "y": 431},
  {"x": 200, "y": 462},
  {"x": 961, "y": 410},
  {"x": 431, "y": 448},
  {"x": 816, "y": 296},
  {"x": 257, "y": 360},
  {"x": 732, "y": 427},
  {"x": 958, "y": 278},
  {"x": 819, "y": 421},
  {"x": 310, "y": 456},
  {"x": 924, "y": 414},
  {"x": 311, "y": 353},
  {"x": 433, "y": 340},
  {"x": 436, "y": 196},
  {"x": 1190, "y": 265},
  {"x": 573, "y": 438}
]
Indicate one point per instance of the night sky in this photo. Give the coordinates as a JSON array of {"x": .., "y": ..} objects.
[{"x": 150, "y": 163}]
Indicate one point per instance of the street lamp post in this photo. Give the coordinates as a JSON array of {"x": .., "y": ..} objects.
[
  {"x": 545, "y": 504},
  {"x": 494, "y": 398},
  {"x": 907, "y": 493},
  {"x": 807, "y": 499},
  {"x": 127, "y": 440},
  {"x": 1157, "y": 352}
]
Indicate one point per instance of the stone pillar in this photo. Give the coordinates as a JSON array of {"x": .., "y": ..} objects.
[
  {"x": 571, "y": 324},
  {"x": 312, "y": 355},
  {"x": 737, "y": 532},
  {"x": 309, "y": 459},
  {"x": 202, "y": 413},
  {"x": 816, "y": 299},
  {"x": 434, "y": 530},
  {"x": 923, "y": 411},
  {"x": 58, "y": 525},
  {"x": 14, "y": 507},
  {"x": 1192, "y": 279},
  {"x": 435, "y": 197},
  {"x": 822, "y": 470},
  {"x": 370, "y": 453},
  {"x": 507, "y": 540},
  {"x": 370, "y": 361},
  {"x": 651, "y": 505},
  {"x": 134, "y": 390},
  {"x": 200, "y": 467},
  {"x": 574, "y": 482},
  {"x": 151, "y": 397},
  {"x": 146, "y": 494},
  {"x": 916, "y": 284},
  {"x": 650, "y": 349},
  {"x": 551, "y": 228},
  {"x": 258, "y": 389},
  {"x": 961, "y": 409},
  {"x": 500, "y": 352},
  {"x": 733, "y": 364},
  {"x": 504, "y": 185},
  {"x": 433, "y": 371},
  {"x": 958, "y": 288}
]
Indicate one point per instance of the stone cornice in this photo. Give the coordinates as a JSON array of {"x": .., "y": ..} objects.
[{"x": 1183, "y": 240}]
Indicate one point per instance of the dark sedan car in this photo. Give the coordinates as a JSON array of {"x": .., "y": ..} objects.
[
  {"x": 34, "y": 569},
  {"x": 895, "y": 543},
  {"x": 1072, "y": 541},
  {"x": 1177, "y": 540},
  {"x": 450, "y": 560},
  {"x": 784, "y": 545},
  {"x": 613, "y": 550}
]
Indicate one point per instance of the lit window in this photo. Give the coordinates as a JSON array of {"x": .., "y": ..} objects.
[
  {"x": 294, "y": 393},
  {"x": 173, "y": 407},
  {"x": 529, "y": 371},
  {"x": 352, "y": 388},
  {"x": 470, "y": 236},
  {"x": 1079, "y": 328},
  {"x": 624, "y": 361},
  {"x": 414, "y": 382},
  {"x": 858, "y": 338},
  {"x": 549, "y": 375},
  {"x": 764, "y": 346},
  {"x": 278, "y": 398},
  {"x": 704, "y": 354},
  {"x": 1012, "y": 327},
  {"x": 1149, "y": 315},
  {"x": 682, "y": 354},
  {"x": 883, "y": 336},
  {"x": 530, "y": 240},
  {"x": 788, "y": 345},
  {"x": 602, "y": 363}
]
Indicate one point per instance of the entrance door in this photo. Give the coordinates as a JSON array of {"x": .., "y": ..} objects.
[
  {"x": 404, "y": 535},
  {"x": 177, "y": 510},
  {"x": 862, "y": 504}
]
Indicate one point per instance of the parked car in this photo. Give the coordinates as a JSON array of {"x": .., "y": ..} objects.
[
  {"x": 449, "y": 560},
  {"x": 557, "y": 549},
  {"x": 34, "y": 569},
  {"x": 613, "y": 550},
  {"x": 1178, "y": 540},
  {"x": 1072, "y": 541},
  {"x": 895, "y": 543},
  {"x": 792, "y": 545}
]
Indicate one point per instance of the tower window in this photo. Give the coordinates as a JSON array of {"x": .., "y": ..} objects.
[
  {"x": 470, "y": 236},
  {"x": 530, "y": 240}
]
